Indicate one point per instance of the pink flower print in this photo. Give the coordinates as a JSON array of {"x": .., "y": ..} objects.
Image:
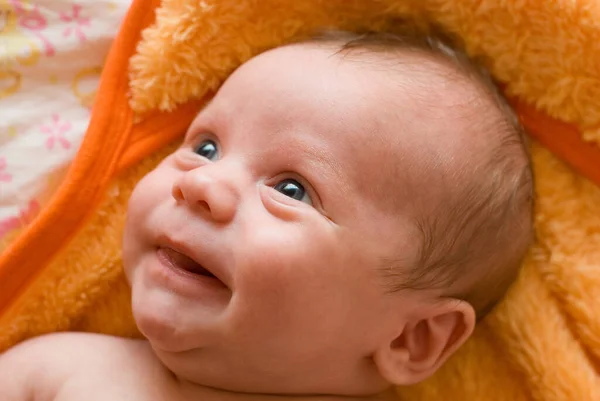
[
  {"x": 4, "y": 177},
  {"x": 9, "y": 224},
  {"x": 78, "y": 22},
  {"x": 32, "y": 19},
  {"x": 55, "y": 132},
  {"x": 26, "y": 216}
]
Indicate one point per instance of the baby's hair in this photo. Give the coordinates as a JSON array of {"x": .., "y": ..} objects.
[{"x": 472, "y": 244}]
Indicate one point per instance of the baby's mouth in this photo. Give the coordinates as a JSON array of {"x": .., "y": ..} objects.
[{"x": 183, "y": 262}]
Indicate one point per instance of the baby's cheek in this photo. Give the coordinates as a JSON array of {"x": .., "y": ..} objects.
[
  {"x": 150, "y": 192},
  {"x": 286, "y": 263},
  {"x": 147, "y": 195}
]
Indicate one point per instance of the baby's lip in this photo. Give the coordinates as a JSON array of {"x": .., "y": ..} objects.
[
  {"x": 186, "y": 263},
  {"x": 194, "y": 261}
]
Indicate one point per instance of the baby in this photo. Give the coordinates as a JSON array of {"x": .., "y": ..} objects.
[{"x": 334, "y": 224}]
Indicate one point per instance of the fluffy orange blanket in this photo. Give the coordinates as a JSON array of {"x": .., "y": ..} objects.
[{"x": 63, "y": 271}]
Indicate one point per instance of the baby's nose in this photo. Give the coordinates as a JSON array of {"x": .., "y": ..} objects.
[{"x": 204, "y": 189}]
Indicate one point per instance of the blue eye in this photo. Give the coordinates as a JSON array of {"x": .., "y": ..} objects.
[
  {"x": 207, "y": 149},
  {"x": 293, "y": 189}
]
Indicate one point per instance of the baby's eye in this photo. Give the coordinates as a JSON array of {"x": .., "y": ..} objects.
[
  {"x": 207, "y": 149},
  {"x": 293, "y": 189}
]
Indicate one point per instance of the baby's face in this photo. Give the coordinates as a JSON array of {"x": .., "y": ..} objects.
[{"x": 254, "y": 250}]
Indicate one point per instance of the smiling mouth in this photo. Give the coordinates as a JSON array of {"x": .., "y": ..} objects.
[{"x": 183, "y": 262}]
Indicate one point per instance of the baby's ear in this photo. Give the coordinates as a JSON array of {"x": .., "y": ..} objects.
[{"x": 423, "y": 345}]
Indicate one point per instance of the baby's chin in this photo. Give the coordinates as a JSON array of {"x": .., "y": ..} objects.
[
  {"x": 167, "y": 315},
  {"x": 171, "y": 326}
]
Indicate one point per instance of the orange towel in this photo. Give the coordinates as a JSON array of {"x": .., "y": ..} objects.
[
  {"x": 112, "y": 143},
  {"x": 62, "y": 272}
]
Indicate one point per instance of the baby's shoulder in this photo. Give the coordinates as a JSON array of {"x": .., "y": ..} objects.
[
  {"x": 53, "y": 362},
  {"x": 69, "y": 351}
]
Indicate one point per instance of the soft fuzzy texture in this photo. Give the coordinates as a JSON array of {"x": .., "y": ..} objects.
[
  {"x": 547, "y": 52},
  {"x": 541, "y": 343}
]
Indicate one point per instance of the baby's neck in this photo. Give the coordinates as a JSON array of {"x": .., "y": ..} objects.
[{"x": 193, "y": 391}]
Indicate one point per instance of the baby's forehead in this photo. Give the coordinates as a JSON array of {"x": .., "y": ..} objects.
[
  {"x": 382, "y": 118},
  {"x": 419, "y": 116}
]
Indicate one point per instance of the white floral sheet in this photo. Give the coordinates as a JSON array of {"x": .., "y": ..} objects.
[{"x": 51, "y": 56}]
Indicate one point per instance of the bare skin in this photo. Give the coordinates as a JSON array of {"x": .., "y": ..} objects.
[
  {"x": 253, "y": 250},
  {"x": 78, "y": 366}
]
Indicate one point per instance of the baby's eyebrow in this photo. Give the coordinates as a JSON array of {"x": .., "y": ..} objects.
[
  {"x": 208, "y": 103},
  {"x": 200, "y": 116},
  {"x": 322, "y": 157},
  {"x": 207, "y": 106}
]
